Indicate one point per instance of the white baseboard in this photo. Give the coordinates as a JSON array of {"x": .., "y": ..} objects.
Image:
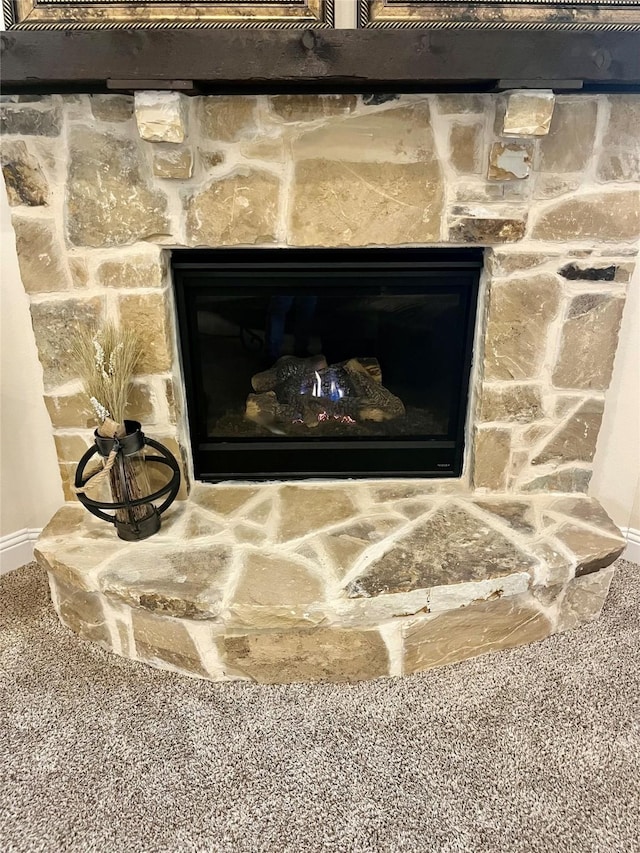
[
  {"x": 16, "y": 549},
  {"x": 632, "y": 551}
]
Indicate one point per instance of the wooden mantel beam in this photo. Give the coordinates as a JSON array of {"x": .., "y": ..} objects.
[{"x": 316, "y": 60}]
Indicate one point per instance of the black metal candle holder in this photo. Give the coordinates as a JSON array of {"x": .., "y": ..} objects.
[{"x": 134, "y": 518}]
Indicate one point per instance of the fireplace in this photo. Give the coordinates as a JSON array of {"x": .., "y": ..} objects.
[
  {"x": 326, "y": 362},
  {"x": 380, "y": 213}
]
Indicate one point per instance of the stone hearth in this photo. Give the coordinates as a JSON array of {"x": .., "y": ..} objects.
[
  {"x": 338, "y": 580},
  {"x": 283, "y": 583}
]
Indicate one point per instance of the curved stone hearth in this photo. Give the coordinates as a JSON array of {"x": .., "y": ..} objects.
[{"x": 282, "y": 583}]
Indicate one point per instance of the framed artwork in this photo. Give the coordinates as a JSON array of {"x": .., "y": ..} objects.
[
  {"x": 508, "y": 14},
  {"x": 158, "y": 14}
]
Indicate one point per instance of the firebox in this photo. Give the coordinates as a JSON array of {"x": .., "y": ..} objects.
[{"x": 326, "y": 362}]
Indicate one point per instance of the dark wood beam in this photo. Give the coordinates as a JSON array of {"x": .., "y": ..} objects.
[{"x": 326, "y": 60}]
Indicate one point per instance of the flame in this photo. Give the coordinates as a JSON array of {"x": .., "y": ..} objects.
[{"x": 317, "y": 386}]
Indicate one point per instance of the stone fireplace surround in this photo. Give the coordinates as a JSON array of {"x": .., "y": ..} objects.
[{"x": 357, "y": 579}]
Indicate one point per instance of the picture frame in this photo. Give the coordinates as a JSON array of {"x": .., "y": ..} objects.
[
  {"x": 161, "y": 14},
  {"x": 583, "y": 15}
]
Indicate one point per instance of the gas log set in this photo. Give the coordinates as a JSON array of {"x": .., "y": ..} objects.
[{"x": 311, "y": 392}]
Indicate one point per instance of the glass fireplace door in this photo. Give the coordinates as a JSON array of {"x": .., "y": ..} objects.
[{"x": 325, "y": 363}]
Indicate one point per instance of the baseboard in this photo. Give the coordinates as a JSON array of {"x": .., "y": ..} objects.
[
  {"x": 16, "y": 549},
  {"x": 632, "y": 551}
]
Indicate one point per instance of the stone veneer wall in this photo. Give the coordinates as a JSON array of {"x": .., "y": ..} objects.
[{"x": 102, "y": 185}]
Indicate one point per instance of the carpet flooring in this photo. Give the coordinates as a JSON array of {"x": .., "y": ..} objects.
[{"x": 534, "y": 749}]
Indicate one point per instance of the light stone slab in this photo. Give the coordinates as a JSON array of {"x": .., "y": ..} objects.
[
  {"x": 161, "y": 116},
  {"x": 204, "y": 602}
]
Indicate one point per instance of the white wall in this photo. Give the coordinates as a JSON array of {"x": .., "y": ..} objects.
[
  {"x": 30, "y": 490},
  {"x": 616, "y": 475}
]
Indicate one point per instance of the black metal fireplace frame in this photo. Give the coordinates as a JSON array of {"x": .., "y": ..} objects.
[{"x": 245, "y": 459}]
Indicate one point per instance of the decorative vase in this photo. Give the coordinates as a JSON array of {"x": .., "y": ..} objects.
[{"x": 127, "y": 464}]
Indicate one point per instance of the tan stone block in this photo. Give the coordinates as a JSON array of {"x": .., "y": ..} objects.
[
  {"x": 528, "y": 113},
  {"x": 223, "y": 500},
  {"x": 509, "y": 161},
  {"x": 40, "y": 255},
  {"x": 520, "y": 515},
  {"x": 569, "y": 145},
  {"x": 76, "y": 107},
  {"x": 400, "y": 491},
  {"x": 239, "y": 209},
  {"x": 23, "y": 178},
  {"x": 566, "y": 480},
  {"x": 345, "y": 544},
  {"x": 169, "y": 579},
  {"x": 462, "y": 103},
  {"x": 592, "y": 550},
  {"x": 70, "y": 410},
  {"x": 67, "y": 477},
  {"x": 140, "y": 403},
  {"x": 260, "y": 513},
  {"x": 450, "y": 547},
  {"x": 211, "y": 159},
  {"x": 576, "y": 440},
  {"x": 620, "y": 156},
  {"x": 80, "y": 611},
  {"x": 584, "y": 599},
  {"x": 226, "y": 117},
  {"x": 317, "y": 654},
  {"x": 158, "y": 638},
  {"x": 521, "y": 403},
  {"x": 247, "y": 534},
  {"x": 265, "y": 148},
  {"x": 147, "y": 316},
  {"x": 161, "y": 116},
  {"x": 531, "y": 436},
  {"x": 520, "y": 313},
  {"x": 474, "y": 630},
  {"x": 492, "y": 449},
  {"x": 74, "y": 560},
  {"x": 198, "y": 524},
  {"x": 54, "y": 324},
  {"x": 552, "y": 186},
  {"x": 68, "y": 520},
  {"x": 519, "y": 460},
  {"x": 112, "y": 107},
  {"x": 138, "y": 271},
  {"x": 398, "y": 135},
  {"x": 480, "y": 225},
  {"x": 70, "y": 448},
  {"x": 608, "y": 216},
  {"x": 169, "y": 391},
  {"x": 559, "y": 568},
  {"x": 274, "y": 591},
  {"x": 565, "y": 405},
  {"x": 176, "y": 163},
  {"x": 355, "y": 204},
  {"x": 465, "y": 144},
  {"x": 79, "y": 271},
  {"x": 504, "y": 262},
  {"x": 586, "y": 510},
  {"x": 121, "y": 207},
  {"x": 43, "y": 120},
  {"x": 589, "y": 341},
  {"x": 305, "y": 510},
  {"x": 292, "y": 108}
]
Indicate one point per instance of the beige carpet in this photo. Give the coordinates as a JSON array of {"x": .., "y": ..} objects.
[{"x": 536, "y": 749}]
